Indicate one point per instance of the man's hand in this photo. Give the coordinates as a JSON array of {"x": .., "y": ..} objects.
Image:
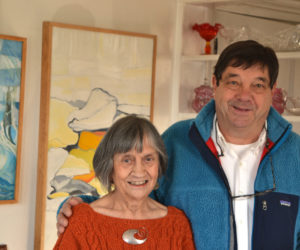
[{"x": 65, "y": 212}]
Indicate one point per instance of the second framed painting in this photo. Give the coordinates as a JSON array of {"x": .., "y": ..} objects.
[
  {"x": 90, "y": 78},
  {"x": 12, "y": 80}
]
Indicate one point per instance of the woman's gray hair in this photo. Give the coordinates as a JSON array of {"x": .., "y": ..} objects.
[{"x": 126, "y": 134}]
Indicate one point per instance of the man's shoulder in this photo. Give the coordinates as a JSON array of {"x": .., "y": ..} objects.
[
  {"x": 180, "y": 128},
  {"x": 180, "y": 124},
  {"x": 295, "y": 139}
]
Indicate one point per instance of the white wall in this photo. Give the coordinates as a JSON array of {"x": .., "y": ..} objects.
[{"x": 24, "y": 19}]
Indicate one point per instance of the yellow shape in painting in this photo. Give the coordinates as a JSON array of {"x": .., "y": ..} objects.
[
  {"x": 60, "y": 135},
  {"x": 58, "y": 85},
  {"x": 98, "y": 185},
  {"x": 90, "y": 140},
  {"x": 85, "y": 155},
  {"x": 74, "y": 165},
  {"x": 58, "y": 195},
  {"x": 137, "y": 99},
  {"x": 71, "y": 88}
]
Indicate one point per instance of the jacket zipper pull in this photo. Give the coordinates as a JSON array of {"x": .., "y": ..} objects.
[{"x": 264, "y": 205}]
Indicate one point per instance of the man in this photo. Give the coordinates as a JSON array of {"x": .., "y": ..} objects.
[{"x": 235, "y": 169}]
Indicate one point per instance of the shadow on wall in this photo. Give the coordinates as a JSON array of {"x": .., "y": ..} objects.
[{"x": 67, "y": 13}]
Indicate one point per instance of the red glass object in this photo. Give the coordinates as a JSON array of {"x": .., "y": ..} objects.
[
  {"x": 203, "y": 94},
  {"x": 207, "y": 32},
  {"x": 279, "y": 100}
]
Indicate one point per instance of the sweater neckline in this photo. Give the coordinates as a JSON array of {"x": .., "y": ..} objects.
[{"x": 111, "y": 218}]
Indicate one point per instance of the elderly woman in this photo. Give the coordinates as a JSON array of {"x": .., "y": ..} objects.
[{"x": 128, "y": 161}]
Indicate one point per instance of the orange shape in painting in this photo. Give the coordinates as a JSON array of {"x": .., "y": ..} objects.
[
  {"x": 90, "y": 140},
  {"x": 85, "y": 177}
]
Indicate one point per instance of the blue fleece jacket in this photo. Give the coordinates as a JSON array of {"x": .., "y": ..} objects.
[{"x": 196, "y": 183}]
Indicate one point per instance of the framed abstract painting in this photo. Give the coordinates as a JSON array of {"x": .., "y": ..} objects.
[
  {"x": 12, "y": 77},
  {"x": 90, "y": 78}
]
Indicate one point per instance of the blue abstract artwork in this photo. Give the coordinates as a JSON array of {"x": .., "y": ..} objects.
[{"x": 10, "y": 79}]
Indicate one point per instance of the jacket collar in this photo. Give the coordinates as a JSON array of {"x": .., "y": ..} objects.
[
  {"x": 204, "y": 120},
  {"x": 278, "y": 127}
]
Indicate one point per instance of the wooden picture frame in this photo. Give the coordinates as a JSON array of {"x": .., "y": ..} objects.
[
  {"x": 90, "y": 77},
  {"x": 12, "y": 79}
]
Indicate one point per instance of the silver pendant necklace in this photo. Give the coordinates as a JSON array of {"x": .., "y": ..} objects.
[{"x": 135, "y": 236}]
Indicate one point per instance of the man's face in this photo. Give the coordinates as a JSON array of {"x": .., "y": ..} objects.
[{"x": 243, "y": 99}]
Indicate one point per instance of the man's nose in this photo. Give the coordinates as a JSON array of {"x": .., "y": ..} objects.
[{"x": 244, "y": 92}]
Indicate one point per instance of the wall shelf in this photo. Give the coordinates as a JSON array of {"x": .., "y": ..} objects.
[
  {"x": 191, "y": 68},
  {"x": 277, "y": 10}
]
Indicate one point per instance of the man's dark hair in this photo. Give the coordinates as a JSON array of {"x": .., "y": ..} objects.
[{"x": 246, "y": 54}]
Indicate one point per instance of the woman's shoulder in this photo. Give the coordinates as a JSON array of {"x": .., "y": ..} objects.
[
  {"x": 82, "y": 212},
  {"x": 176, "y": 213},
  {"x": 82, "y": 207},
  {"x": 82, "y": 220},
  {"x": 177, "y": 220}
]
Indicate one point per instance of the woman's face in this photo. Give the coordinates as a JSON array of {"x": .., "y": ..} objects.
[{"x": 135, "y": 174}]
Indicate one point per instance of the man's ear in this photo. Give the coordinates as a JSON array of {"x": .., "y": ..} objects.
[
  {"x": 274, "y": 88},
  {"x": 214, "y": 82}
]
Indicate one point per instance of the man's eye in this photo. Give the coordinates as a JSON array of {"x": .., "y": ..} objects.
[
  {"x": 259, "y": 85},
  {"x": 232, "y": 84}
]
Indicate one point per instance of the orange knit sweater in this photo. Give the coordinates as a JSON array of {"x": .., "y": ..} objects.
[{"x": 90, "y": 230}]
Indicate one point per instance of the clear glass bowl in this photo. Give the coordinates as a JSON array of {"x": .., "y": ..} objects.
[{"x": 293, "y": 105}]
